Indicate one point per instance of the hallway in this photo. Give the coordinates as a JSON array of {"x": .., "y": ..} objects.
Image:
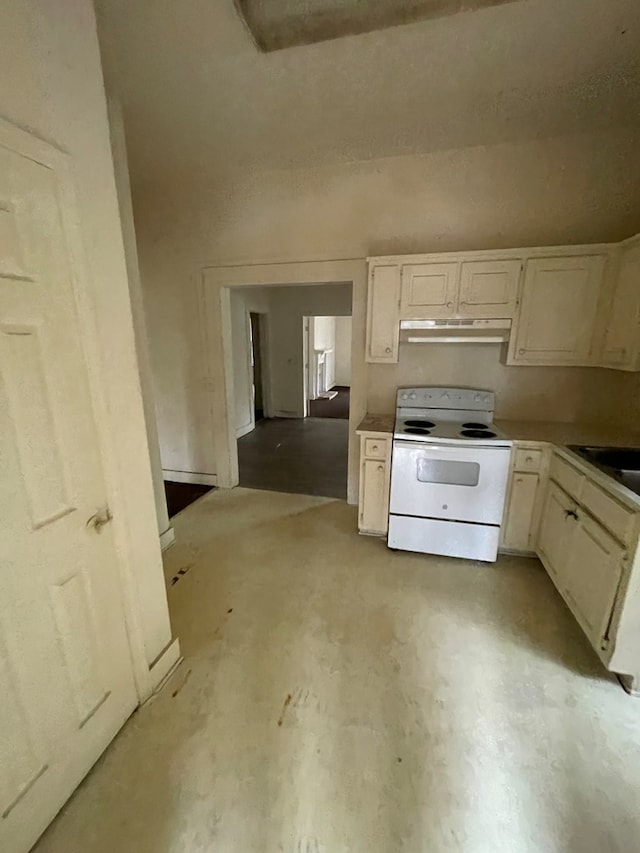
[{"x": 339, "y": 698}]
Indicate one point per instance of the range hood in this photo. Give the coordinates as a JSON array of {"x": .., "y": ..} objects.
[{"x": 454, "y": 331}]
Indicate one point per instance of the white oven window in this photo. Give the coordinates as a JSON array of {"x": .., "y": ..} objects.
[{"x": 448, "y": 472}]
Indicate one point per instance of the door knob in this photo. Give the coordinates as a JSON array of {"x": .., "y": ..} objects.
[{"x": 99, "y": 519}]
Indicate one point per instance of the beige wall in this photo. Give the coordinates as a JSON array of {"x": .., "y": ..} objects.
[
  {"x": 571, "y": 189},
  {"x": 50, "y": 67},
  {"x": 522, "y": 393}
]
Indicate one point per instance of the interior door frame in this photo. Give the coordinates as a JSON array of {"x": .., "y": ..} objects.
[
  {"x": 214, "y": 297},
  {"x": 147, "y": 674},
  {"x": 306, "y": 387}
]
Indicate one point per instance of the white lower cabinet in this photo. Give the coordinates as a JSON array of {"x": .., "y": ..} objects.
[
  {"x": 556, "y": 531},
  {"x": 594, "y": 571},
  {"x": 521, "y": 506},
  {"x": 588, "y": 542},
  {"x": 524, "y": 498},
  {"x": 375, "y": 478},
  {"x": 584, "y": 561}
]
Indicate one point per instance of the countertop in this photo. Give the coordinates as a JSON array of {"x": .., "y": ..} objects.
[
  {"x": 569, "y": 433},
  {"x": 381, "y": 424}
]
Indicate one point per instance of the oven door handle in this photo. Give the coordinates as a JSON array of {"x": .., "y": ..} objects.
[
  {"x": 428, "y": 447},
  {"x": 423, "y": 445}
]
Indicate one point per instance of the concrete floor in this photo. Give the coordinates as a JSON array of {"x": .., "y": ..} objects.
[{"x": 339, "y": 697}]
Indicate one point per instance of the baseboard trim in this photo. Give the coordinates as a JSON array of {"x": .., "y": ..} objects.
[
  {"x": 190, "y": 477},
  {"x": 165, "y": 665},
  {"x": 167, "y": 538},
  {"x": 245, "y": 430}
]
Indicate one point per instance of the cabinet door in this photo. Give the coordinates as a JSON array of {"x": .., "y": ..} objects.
[
  {"x": 556, "y": 531},
  {"x": 374, "y": 496},
  {"x": 429, "y": 291},
  {"x": 489, "y": 288},
  {"x": 383, "y": 321},
  {"x": 593, "y": 576},
  {"x": 519, "y": 518},
  {"x": 622, "y": 336},
  {"x": 557, "y": 318}
]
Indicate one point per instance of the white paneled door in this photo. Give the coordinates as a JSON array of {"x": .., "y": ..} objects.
[{"x": 66, "y": 683}]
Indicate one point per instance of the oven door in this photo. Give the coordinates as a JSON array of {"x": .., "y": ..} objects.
[{"x": 451, "y": 482}]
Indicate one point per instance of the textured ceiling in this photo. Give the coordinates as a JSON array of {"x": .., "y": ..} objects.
[
  {"x": 200, "y": 100},
  {"x": 278, "y": 24}
]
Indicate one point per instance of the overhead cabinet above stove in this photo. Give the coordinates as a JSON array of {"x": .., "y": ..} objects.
[
  {"x": 569, "y": 305},
  {"x": 459, "y": 289}
]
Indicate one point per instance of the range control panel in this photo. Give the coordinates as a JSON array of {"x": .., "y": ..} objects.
[{"x": 470, "y": 399}]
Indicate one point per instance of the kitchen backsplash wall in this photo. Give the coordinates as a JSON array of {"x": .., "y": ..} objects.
[{"x": 587, "y": 394}]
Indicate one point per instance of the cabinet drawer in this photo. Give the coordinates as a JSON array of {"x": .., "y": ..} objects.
[
  {"x": 528, "y": 460},
  {"x": 375, "y": 448},
  {"x": 612, "y": 515},
  {"x": 567, "y": 476}
]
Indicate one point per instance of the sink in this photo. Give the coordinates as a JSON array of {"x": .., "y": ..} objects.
[
  {"x": 621, "y": 463},
  {"x": 620, "y": 458}
]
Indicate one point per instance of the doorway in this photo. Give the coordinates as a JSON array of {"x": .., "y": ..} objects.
[
  {"x": 216, "y": 288},
  {"x": 328, "y": 361},
  {"x": 281, "y": 446}
]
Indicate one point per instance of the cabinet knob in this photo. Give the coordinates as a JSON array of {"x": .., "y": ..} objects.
[
  {"x": 449, "y": 304},
  {"x": 387, "y": 349},
  {"x": 375, "y": 447},
  {"x": 521, "y": 352},
  {"x": 380, "y": 467},
  {"x": 518, "y": 479},
  {"x": 528, "y": 458}
]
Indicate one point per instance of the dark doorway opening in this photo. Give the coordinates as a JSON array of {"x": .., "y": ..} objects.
[{"x": 181, "y": 495}]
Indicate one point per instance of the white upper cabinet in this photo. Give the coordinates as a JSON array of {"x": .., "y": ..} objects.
[
  {"x": 383, "y": 319},
  {"x": 488, "y": 289},
  {"x": 557, "y": 318},
  {"x": 462, "y": 289},
  {"x": 569, "y": 305},
  {"x": 621, "y": 342},
  {"x": 429, "y": 291}
]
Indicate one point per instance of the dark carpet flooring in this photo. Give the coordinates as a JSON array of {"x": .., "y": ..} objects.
[
  {"x": 306, "y": 456},
  {"x": 180, "y": 495},
  {"x": 336, "y": 408}
]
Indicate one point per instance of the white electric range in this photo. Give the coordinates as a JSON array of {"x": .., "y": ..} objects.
[{"x": 449, "y": 472}]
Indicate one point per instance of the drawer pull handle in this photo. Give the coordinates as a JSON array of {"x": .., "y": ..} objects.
[{"x": 570, "y": 513}]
